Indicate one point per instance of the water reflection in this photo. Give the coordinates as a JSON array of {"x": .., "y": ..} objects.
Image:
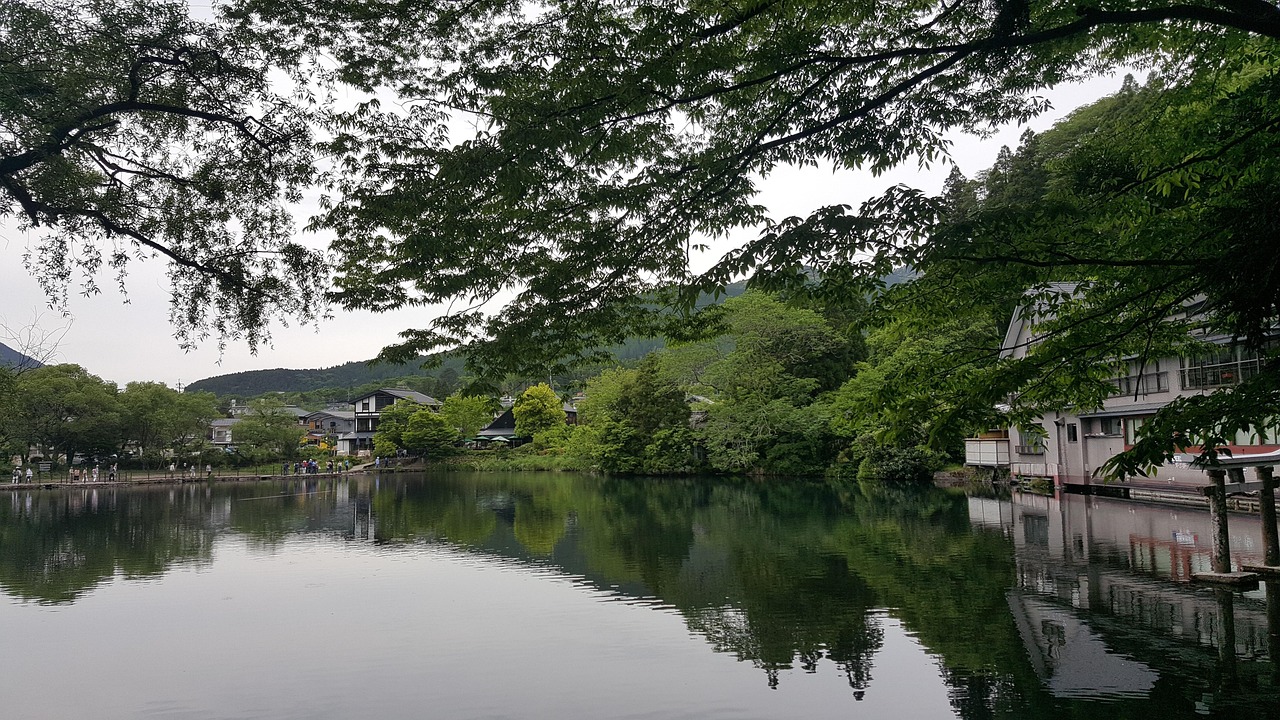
[
  {"x": 1105, "y": 609},
  {"x": 1032, "y": 607}
]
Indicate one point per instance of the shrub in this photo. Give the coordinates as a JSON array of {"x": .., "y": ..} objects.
[{"x": 898, "y": 466}]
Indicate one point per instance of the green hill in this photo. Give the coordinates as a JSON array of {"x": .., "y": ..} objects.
[
  {"x": 348, "y": 377},
  {"x": 343, "y": 382}
]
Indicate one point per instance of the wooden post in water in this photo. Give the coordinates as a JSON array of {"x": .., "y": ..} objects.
[
  {"x": 1226, "y": 638},
  {"x": 1267, "y": 509},
  {"x": 1218, "y": 516},
  {"x": 1273, "y": 628}
]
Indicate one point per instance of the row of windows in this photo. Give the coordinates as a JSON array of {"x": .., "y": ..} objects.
[
  {"x": 1228, "y": 365},
  {"x": 1146, "y": 383},
  {"x": 1128, "y": 429}
]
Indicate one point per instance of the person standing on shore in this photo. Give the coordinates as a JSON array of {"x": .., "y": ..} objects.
[
  {"x": 28, "y": 474},
  {"x": 95, "y": 473}
]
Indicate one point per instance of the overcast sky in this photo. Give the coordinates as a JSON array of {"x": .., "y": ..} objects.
[{"x": 123, "y": 342}]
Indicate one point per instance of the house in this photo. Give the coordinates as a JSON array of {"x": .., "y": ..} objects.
[
  {"x": 366, "y": 412},
  {"x": 1070, "y": 446},
  {"x": 331, "y": 422},
  {"x": 220, "y": 431},
  {"x": 502, "y": 429}
]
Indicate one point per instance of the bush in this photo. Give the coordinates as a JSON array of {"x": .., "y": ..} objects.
[{"x": 899, "y": 466}]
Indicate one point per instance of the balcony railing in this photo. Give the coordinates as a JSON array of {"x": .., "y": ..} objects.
[
  {"x": 1029, "y": 449},
  {"x": 1218, "y": 375}
]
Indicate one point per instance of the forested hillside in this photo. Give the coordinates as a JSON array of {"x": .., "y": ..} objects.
[
  {"x": 12, "y": 358},
  {"x": 352, "y": 377},
  {"x": 346, "y": 376}
]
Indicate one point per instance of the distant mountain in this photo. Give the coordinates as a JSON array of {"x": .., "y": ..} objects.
[
  {"x": 12, "y": 358},
  {"x": 350, "y": 376},
  {"x": 899, "y": 276},
  {"x": 354, "y": 377}
]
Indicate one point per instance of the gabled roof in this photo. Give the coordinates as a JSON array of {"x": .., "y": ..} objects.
[
  {"x": 1025, "y": 316},
  {"x": 403, "y": 394},
  {"x": 412, "y": 395},
  {"x": 503, "y": 426}
]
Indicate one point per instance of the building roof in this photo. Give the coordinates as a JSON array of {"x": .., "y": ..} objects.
[
  {"x": 504, "y": 426},
  {"x": 413, "y": 395},
  {"x": 355, "y": 435},
  {"x": 1032, "y": 311},
  {"x": 403, "y": 394},
  {"x": 224, "y": 422},
  {"x": 340, "y": 414},
  {"x": 1148, "y": 408}
]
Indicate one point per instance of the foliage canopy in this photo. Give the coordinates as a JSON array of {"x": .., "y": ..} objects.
[
  {"x": 611, "y": 140},
  {"x": 132, "y": 130}
]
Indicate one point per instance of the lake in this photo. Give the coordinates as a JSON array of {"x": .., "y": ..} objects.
[{"x": 568, "y": 597}]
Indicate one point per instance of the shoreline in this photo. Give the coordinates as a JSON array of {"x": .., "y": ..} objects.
[{"x": 165, "y": 479}]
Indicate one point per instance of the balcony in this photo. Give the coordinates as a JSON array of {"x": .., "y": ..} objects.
[
  {"x": 986, "y": 453},
  {"x": 1216, "y": 375}
]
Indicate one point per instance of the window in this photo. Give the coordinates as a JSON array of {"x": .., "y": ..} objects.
[
  {"x": 1144, "y": 384},
  {"x": 1109, "y": 426},
  {"x": 1131, "y": 427},
  {"x": 364, "y": 406},
  {"x": 1229, "y": 365},
  {"x": 1073, "y": 434}
]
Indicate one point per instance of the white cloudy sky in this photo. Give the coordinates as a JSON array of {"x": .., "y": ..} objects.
[{"x": 123, "y": 342}]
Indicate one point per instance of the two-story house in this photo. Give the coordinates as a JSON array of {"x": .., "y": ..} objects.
[
  {"x": 331, "y": 422},
  {"x": 366, "y": 412}
]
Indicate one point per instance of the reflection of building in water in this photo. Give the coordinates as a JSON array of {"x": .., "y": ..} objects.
[
  {"x": 1094, "y": 575},
  {"x": 1071, "y": 659}
]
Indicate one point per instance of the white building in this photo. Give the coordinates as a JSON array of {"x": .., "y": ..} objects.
[{"x": 1070, "y": 446}]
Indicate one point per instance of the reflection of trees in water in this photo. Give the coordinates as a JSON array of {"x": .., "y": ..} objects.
[
  {"x": 779, "y": 574},
  {"x": 853, "y": 650},
  {"x": 977, "y": 695},
  {"x": 57, "y": 545},
  {"x": 787, "y": 576}
]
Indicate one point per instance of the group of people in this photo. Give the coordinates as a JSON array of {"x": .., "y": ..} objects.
[
  {"x": 77, "y": 474},
  {"x": 311, "y": 467},
  {"x": 80, "y": 474},
  {"x": 189, "y": 471}
]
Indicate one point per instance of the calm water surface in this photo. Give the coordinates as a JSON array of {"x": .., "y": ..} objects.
[{"x": 567, "y": 597}]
